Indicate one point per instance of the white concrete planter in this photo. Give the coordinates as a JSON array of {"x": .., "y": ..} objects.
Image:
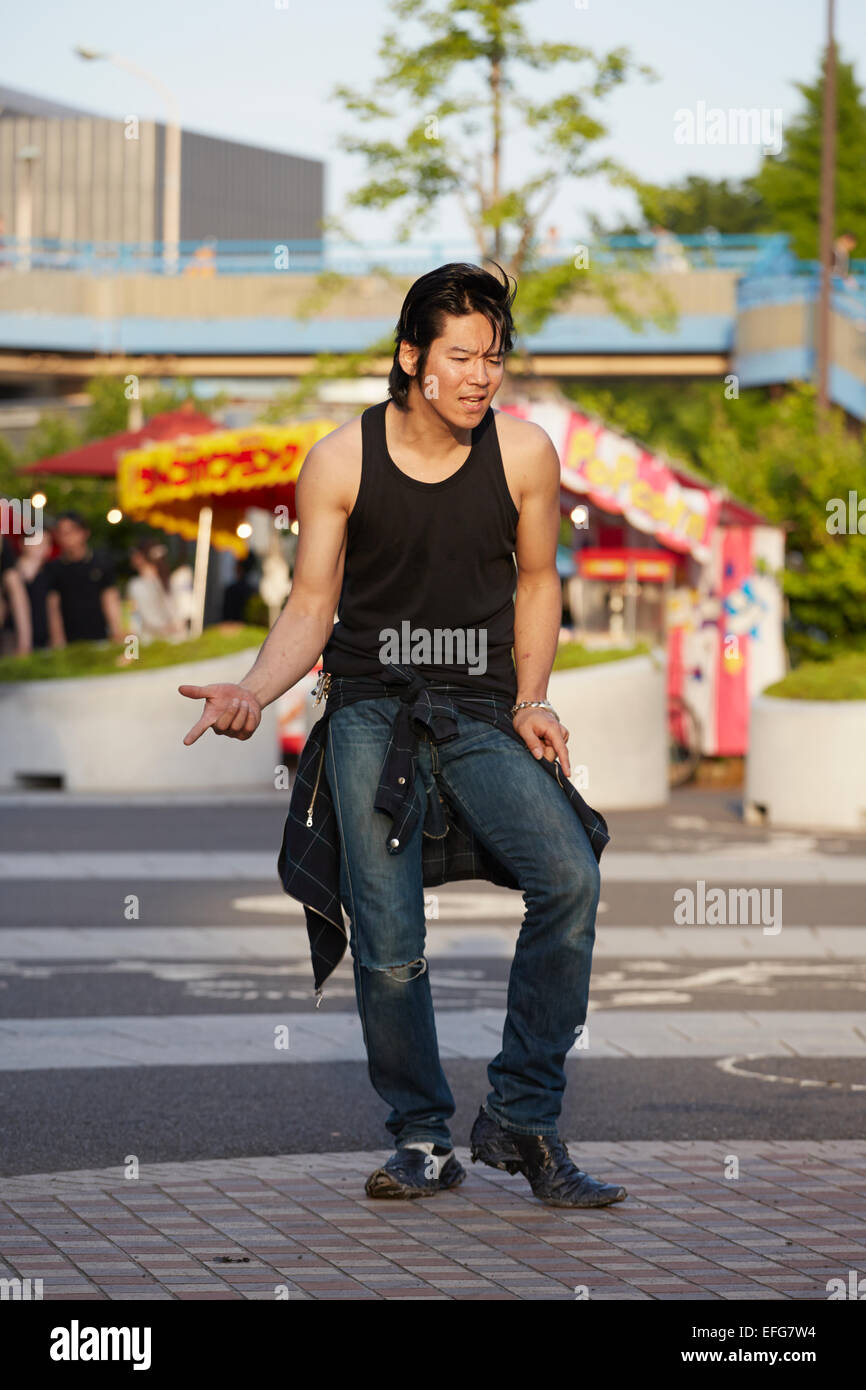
[
  {"x": 125, "y": 733},
  {"x": 806, "y": 766},
  {"x": 617, "y": 717}
]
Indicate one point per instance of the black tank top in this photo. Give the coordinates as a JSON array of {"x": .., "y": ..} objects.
[{"x": 429, "y": 575}]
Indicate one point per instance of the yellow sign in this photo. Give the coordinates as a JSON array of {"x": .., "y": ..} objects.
[{"x": 167, "y": 482}]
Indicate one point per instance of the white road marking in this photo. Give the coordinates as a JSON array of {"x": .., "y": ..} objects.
[
  {"x": 453, "y": 905},
  {"x": 632, "y": 985},
  {"x": 290, "y": 942},
  {"x": 185, "y": 1040},
  {"x": 733, "y": 1066},
  {"x": 746, "y": 864}
]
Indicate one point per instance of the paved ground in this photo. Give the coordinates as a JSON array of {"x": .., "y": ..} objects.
[
  {"x": 301, "y": 1228},
  {"x": 151, "y": 1038}
]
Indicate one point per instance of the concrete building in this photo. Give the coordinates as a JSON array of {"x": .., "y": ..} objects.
[{"x": 97, "y": 179}]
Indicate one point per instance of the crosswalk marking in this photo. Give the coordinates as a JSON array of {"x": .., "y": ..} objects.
[
  {"x": 622, "y": 866},
  {"x": 328, "y": 1035},
  {"x": 289, "y": 942}
]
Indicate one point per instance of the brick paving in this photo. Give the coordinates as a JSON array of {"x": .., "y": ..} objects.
[{"x": 301, "y": 1227}]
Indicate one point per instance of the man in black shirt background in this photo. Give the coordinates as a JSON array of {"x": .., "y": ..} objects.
[{"x": 83, "y": 600}]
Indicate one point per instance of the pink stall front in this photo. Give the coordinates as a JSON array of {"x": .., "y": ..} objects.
[{"x": 665, "y": 558}]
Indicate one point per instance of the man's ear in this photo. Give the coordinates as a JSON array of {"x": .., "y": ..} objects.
[{"x": 408, "y": 357}]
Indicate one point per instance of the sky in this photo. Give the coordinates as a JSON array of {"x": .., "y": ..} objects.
[{"x": 265, "y": 72}]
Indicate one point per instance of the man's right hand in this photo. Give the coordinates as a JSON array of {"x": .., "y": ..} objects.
[{"x": 229, "y": 709}]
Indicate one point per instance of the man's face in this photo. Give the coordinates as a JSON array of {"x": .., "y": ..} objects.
[
  {"x": 463, "y": 371},
  {"x": 71, "y": 538}
]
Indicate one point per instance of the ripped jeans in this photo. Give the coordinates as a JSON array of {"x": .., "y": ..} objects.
[{"x": 517, "y": 809}]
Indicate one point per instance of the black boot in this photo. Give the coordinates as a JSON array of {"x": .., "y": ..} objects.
[
  {"x": 408, "y": 1174},
  {"x": 491, "y": 1144},
  {"x": 554, "y": 1179}
]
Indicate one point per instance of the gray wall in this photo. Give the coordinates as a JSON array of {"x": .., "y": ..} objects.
[
  {"x": 92, "y": 183},
  {"x": 242, "y": 192}
]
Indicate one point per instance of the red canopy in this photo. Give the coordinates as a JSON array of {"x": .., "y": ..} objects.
[{"x": 99, "y": 459}]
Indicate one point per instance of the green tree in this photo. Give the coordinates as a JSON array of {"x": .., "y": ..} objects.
[
  {"x": 449, "y": 106},
  {"x": 671, "y": 418},
  {"x": 791, "y": 474},
  {"x": 694, "y": 205},
  {"x": 789, "y": 183},
  {"x": 455, "y": 141}
]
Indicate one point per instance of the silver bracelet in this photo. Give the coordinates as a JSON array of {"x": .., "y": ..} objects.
[{"x": 528, "y": 704}]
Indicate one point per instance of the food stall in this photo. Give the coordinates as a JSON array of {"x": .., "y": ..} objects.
[
  {"x": 202, "y": 489},
  {"x": 665, "y": 557}
]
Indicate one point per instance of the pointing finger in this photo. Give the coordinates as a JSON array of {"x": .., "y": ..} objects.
[{"x": 198, "y": 729}]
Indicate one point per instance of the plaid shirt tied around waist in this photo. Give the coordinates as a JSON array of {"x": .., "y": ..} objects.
[{"x": 309, "y": 858}]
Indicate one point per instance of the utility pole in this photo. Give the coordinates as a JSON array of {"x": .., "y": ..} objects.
[
  {"x": 171, "y": 165},
  {"x": 828, "y": 216}
]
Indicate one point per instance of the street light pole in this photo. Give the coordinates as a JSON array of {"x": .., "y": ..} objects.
[
  {"x": 171, "y": 168},
  {"x": 28, "y": 154},
  {"x": 828, "y": 215}
]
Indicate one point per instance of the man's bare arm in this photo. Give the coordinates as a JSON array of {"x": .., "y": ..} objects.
[
  {"x": 112, "y": 612},
  {"x": 301, "y": 632},
  {"x": 56, "y": 630},
  {"x": 299, "y": 635},
  {"x": 19, "y": 605},
  {"x": 538, "y": 600}
]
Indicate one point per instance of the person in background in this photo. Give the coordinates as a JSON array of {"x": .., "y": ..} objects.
[
  {"x": 842, "y": 248},
  {"x": 668, "y": 254},
  {"x": 155, "y": 612},
  {"x": 31, "y": 567},
  {"x": 15, "y": 635},
  {"x": 240, "y": 591},
  {"x": 550, "y": 246},
  {"x": 83, "y": 602},
  {"x": 203, "y": 262},
  {"x": 182, "y": 595}
]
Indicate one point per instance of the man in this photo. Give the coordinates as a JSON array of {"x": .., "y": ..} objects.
[
  {"x": 23, "y": 585},
  {"x": 842, "y": 249},
  {"x": 237, "y": 595},
  {"x": 83, "y": 601},
  {"x": 15, "y": 634},
  {"x": 410, "y": 519}
]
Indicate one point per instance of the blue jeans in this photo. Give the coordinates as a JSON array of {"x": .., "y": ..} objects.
[{"x": 517, "y": 809}]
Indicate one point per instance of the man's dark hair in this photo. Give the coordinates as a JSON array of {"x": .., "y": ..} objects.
[
  {"x": 75, "y": 517},
  {"x": 458, "y": 288}
]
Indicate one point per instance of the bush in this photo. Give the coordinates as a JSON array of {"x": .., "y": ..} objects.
[
  {"x": 842, "y": 679},
  {"x": 107, "y": 659},
  {"x": 571, "y": 654}
]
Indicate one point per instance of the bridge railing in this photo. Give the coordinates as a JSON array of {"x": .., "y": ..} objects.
[
  {"x": 778, "y": 277},
  {"x": 204, "y": 259}
]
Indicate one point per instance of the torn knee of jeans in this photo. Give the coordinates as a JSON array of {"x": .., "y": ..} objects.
[{"x": 404, "y": 973}]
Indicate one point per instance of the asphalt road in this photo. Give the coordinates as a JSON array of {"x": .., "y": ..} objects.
[{"x": 209, "y": 961}]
